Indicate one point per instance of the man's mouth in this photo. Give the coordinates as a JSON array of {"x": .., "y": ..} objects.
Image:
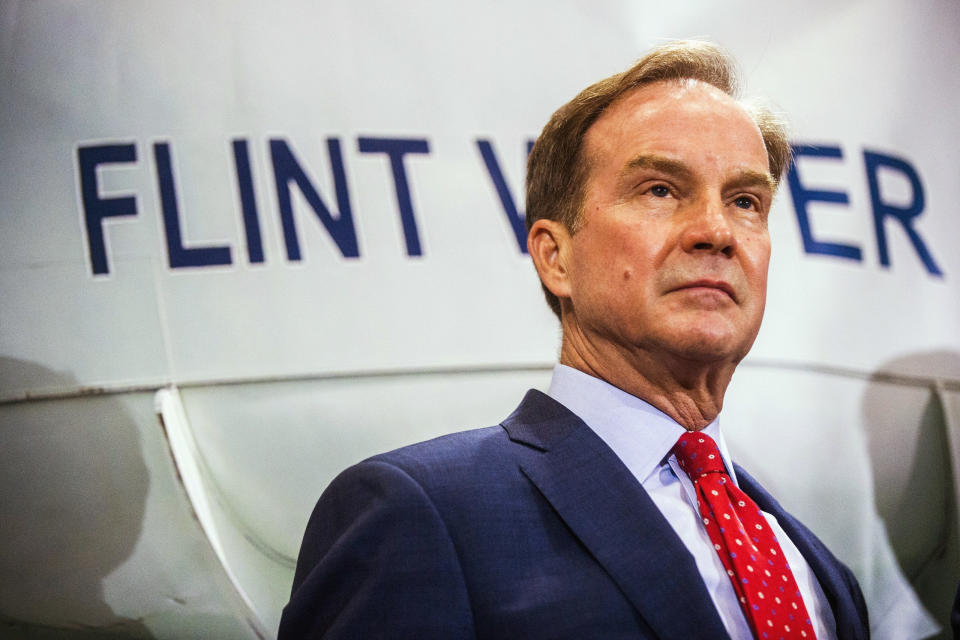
[{"x": 715, "y": 285}]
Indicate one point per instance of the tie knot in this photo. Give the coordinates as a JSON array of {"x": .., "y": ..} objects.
[{"x": 697, "y": 454}]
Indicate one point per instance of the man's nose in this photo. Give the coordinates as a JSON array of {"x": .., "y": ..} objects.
[{"x": 707, "y": 229}]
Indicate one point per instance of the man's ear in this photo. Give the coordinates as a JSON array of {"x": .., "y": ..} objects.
[{"x": 549, "y": 245}]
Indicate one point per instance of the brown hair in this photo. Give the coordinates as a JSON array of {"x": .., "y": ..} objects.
[{"x": 556, "y": 168}]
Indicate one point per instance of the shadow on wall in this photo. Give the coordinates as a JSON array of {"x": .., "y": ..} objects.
[
  {"x": 910, "y": 456},
  {"x": 73, "y": 488}
]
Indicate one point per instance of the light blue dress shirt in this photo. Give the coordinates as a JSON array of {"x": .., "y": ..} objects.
[{"x": 642, "y": 436}]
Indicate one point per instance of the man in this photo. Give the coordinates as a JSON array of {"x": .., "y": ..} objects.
[{"x": 587, "y": 513}]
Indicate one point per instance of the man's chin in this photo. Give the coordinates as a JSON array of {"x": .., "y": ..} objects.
[{"x": 709, "y": 348}]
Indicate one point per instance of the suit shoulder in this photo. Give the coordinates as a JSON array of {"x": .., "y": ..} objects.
[{"x": 446, "y": 454}]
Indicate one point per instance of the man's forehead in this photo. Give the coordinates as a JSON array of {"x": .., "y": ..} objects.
[
  {"x": 680, "y": 89},
  {"x": 671, "y": 98},
  {"x": 671, "y": 109}
]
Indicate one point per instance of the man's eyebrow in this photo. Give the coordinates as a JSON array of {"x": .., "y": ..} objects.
[
  {"x": 658, "y": 163},
  {"x": 743, "y": 178},
  {"x": 751, "y": 178}
]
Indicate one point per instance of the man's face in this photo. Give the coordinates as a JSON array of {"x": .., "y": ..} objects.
[{"x": 672, "y": 254}]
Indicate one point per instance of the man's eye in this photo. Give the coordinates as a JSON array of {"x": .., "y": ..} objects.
[
  {"x": 660, "y": 191},
  {"x": 744, "y": 202}
]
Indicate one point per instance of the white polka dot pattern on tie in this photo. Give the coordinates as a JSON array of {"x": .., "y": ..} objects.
[{"x": 728, "y": 514}]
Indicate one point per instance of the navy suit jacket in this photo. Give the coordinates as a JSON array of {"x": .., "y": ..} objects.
[{"x": 530, "y": 529}]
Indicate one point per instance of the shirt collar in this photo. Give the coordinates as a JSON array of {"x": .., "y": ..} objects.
[{"x": 640, "y": 434}]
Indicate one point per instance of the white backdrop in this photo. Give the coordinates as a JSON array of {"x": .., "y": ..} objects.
[{"x": 302, "y": 229}]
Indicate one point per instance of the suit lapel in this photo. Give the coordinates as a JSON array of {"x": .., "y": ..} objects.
[
  {"x": 610, "y": 513},
  {"x": 825, "y": 566}
]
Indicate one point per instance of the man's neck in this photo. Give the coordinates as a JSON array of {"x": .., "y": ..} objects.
[{"x": 689, "y": 391}]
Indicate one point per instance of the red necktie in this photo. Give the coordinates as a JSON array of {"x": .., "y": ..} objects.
[{"x": 747, "y": 548}]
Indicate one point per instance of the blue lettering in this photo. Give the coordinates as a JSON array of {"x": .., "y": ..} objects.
[
  {"x": 248, "y": 201},
  {"x": 177, "y": 255},
  {"x": 514, "y": 216},
  {"x": 287, "y": 169},
  {"x": 95, "y": 208},
  {"x": 802, "y": 197},
  {"x": 395, "y": 150},
  {"x": 904, "y": 215}
]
